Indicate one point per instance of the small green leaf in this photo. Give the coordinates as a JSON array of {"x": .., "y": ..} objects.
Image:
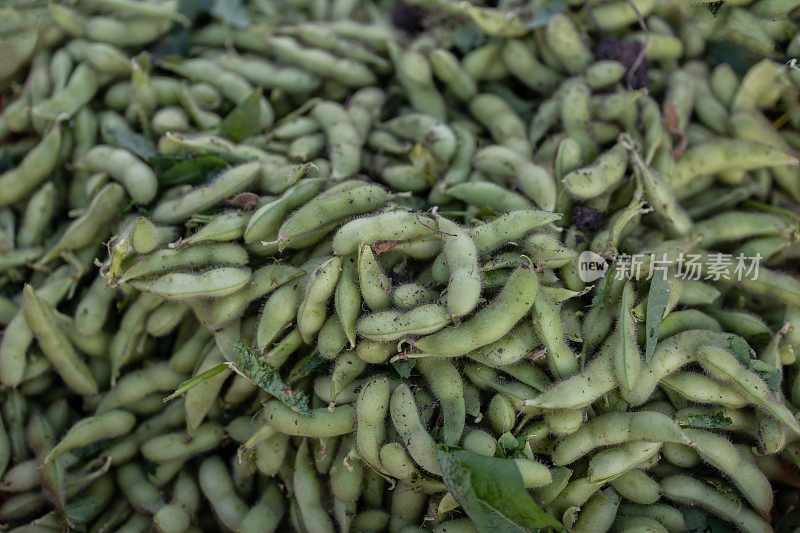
[
  {"x": 767, "y": 372},
  {"x": 231, "y": 12},
  {"x": 244, "y": 120},
  {"x": 197, "y": 380},
  {"x": 195, "y": 171},
  {"x": 308, "y": 366},
  {"x": 254, "y": 366},
  {"x": 133, "y": 142},
  {"x": 491, "y": 492},
  {"x": 657, "y": 299},
  {"x": 545, "y": 13},
  {"x": 714, "y": 421},
  {"x": 404, "y": 367},
  {"x": 193, "y": 8},
  {"x": 599, "y": 299},
  {"x": 81, "y": 511},
  {"x": 741, "y": 349},
  {"x": 467, "y": 37}
]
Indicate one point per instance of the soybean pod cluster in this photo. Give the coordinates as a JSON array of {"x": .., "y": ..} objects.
[{"x": 377, "y": 265}]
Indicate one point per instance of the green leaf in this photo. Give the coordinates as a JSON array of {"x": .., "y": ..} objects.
[
  {"x": 467, "y": 37},
  {"x": 308, "y": 366},
  {"x": 657, "y": 299},
  {"x": 599, "y": 298},
  {"x": 197, "y": 380},
  {"x": 699, "y": 521},
  {"x": 404, "y": 367},
  {"x": 789, "y": 523},
  {"x": 244, "y": 120},
  {"x": 714, "y": 421},
  {"x": 231, "y": 12},
  {"x": 543, "y": 15},
  {"x": 87, "y": 452},
  {"x": 253, "y": 365},
  {"x": 133, "y": 142},
  {"x": 741, "y": 349},
  {"x": 81, "y": 511},
  {"x": 767, "y": 372},
  {"x": 195, "y": 171},
  {"x": 193, "y": 8},
  {"x": 491, "y": 492}
]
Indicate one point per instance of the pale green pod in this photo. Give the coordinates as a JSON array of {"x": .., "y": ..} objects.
[
  {"x": 55, "y": 345},
  {"x": 502, "y": 122},
  {"x": 199, "y": 199},
  {"x": 721, "y": 364},
  {"x": 17, "y": 183},
  {"x": 535, "y": 181},
  {"x": 461, "y": 257},
  {"x": 109, "y": 425},
  {"x": 180, "y": 286},
  {"x": 687, "y": 490},
  {"x": 446, "y": 384},
  {"x": 396, "y": 225},
  {"x": 612, "y": 463},
  {"x": 617, "y": 428},
  {"x": 375, "y": 285},
  {"x": 564, "y": 41},
  {"x": 638, "y": 487},
  {"x": 217, "y": 485},
  {"x": 520, "y": 59},
  {"x": 699, "y": 388},
  {"x": 386, "y": 326},
  {"x": 601, "y": 176},
  {"x": 490, "y": 323},
  {"x": 406, "y": 420}
]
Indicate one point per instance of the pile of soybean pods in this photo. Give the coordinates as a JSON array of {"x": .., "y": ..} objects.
[{"x": 373, "y": 214}]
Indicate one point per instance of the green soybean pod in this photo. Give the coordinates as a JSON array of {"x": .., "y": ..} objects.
[
  {"x": 303, "y": 227},
  {"x": 266, "y": 513},
  {"x": 39, "y": 213},
  {"x": 627, "y": 360},
  {"x": 612, "y": 463},
  {"x": 407, "y": 422},
  {"x": 17, "y": 183},
  {"x": 603, "y": 175},
  {"x": 461, "y": 256},
  {"x": 346, "y": 473},
  {"x": 108, "y": 425},
  {"x": 55, "y": 345},
  {"x": 447, "y": 385},
  {"x": 669, "y": 517},
  {"x": 307, "y": 489},
  {"x": 547, "y": 326},
  {"x": 520, "y": 59},
  {"x": 166, "y": 260},
  {"x": 564, "y": 41},
  {"x": 347, "y": 298},
  {"x": 687, "y": 490},
  {"x": 616, "y": 428},
  {"x": 699, "y": 388},
  {"x": 199, "y": 199},
  {"x": 17, "y": 335},
  {"x": 599, "y": 512},
  {"x": 501, "y": 120},
  {"x": 669, "y": 356},
  {"x": 278, "y": 312},
  {"x": 490, "y": 323},
  {"x": 385, "y": 326},
  {"x": 447, "y": 68},
  {"x": 320, "y": 286},
  {"x": 84, "y": 231},
  {"x": 180, "y": 286},
  {"x": 726, "y": 154},
  {"x": 141, "y": 494},
  {"x": 375, "y": 285},
  {"x": 177, "y": 446},
  {"x": 371, "y": 408},
  {"x": 723, "y": 365},
  {"x": 83, "y": 84},
  {"x": 322, "y": 423},
  {"x": 395, "y": 225},
  {"x": 636, "y": 486},
  {"x": 217, "y": 485},
  {"x": 484, "y": 194}
]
